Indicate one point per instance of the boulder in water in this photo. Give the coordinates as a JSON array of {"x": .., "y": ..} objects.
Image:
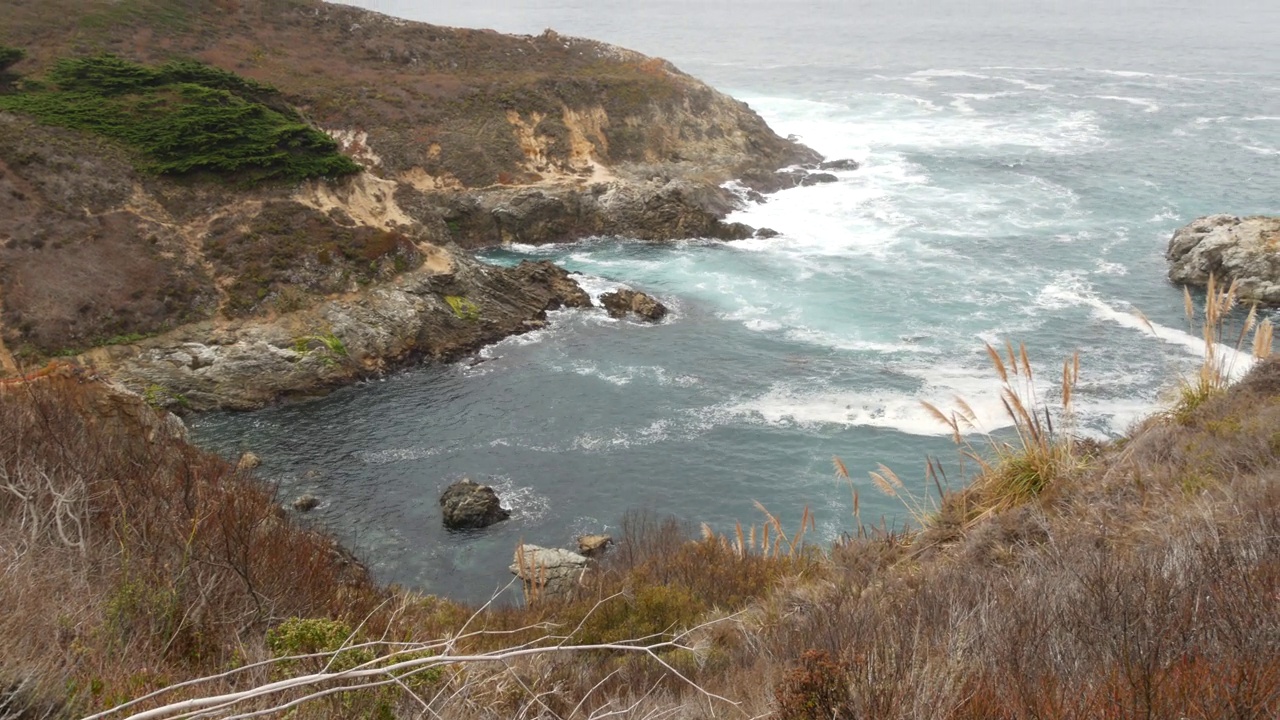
[
  {"x": 306, "y": 503},
  {"x": 818, "y": 179},
  {"x": 839, "y": 165},
  {"x": 1245, "y": 251},
  {"x": 468, "y": 504},
  {"x": 620, "y": 302}
]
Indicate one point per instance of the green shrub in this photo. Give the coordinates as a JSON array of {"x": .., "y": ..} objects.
[
  {"x": 183, "y": 117},
  {"x": 9, "y": 56},
  {"x": 310, "y": 636}
]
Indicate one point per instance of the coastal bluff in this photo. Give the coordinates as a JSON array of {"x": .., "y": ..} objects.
[
  {"x": 1243, "y": 250},
  {"x": 211, "y": 287}
]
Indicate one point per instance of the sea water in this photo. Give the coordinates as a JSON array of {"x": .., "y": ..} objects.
[{"x": 1023, "y": 165}]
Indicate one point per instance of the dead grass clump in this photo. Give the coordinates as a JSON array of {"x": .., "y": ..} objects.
[
  {"x": 1222, "y": 362},
  {"x": 132, "y": 560},
  {"x": 1017, "y": 471}
]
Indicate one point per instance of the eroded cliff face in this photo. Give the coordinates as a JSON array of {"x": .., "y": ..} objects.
[
  {"x": 212, "y": 294},
  {"x": 1243, "y": 251}
]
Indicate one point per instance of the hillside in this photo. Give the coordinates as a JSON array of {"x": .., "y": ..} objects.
[
  {"x": 1136, "y": 578},
  {"x": 167, "y": 177}
]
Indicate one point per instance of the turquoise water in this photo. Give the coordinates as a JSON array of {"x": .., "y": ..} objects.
[{"x": 1023, "y": 168}]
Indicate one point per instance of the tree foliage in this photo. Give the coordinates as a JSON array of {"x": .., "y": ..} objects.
[
  {"x": 9, "y": 56},
  {"x": 184, "y": 117}
]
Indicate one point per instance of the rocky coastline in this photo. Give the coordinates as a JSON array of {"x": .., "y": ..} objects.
[
  {"x": 200, "y": 294},
  {"x": 1240, "y": 250}
]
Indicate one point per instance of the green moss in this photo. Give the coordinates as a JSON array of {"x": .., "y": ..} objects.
[
  {"x": 183, "y": 117},
  {"x": 463, "y": 308}
]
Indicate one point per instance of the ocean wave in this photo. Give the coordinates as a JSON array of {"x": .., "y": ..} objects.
[
  {"x": 1146, "y": 104},
  {"x": 526, "y": 504},
  {"x": 394, "y": 455},
  {"x": 903, "y": 411},
  {"x": 1069, "y": 289}
]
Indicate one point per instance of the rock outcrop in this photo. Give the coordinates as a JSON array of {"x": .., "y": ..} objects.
[
  {"x": 437, "y": 313},
  {"x": 656, "y": 209},
  {"x": 468, "y": 504},
  {"x": 548, "y": 573},
  {"x": 206, "y": 294},
  {"x": 620, "y": 302},
  {"x": 1245, "y": 251}
]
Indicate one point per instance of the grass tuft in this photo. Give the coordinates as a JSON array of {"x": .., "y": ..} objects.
[{"x": 1220, "y": 365}]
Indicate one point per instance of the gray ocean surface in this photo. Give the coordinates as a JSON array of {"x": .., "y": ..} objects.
[{"x": 1024, "y": 164}]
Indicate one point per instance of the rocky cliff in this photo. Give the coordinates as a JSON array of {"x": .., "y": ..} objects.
[
  {"x": 1245, "y": 251},
  {"x": 222, "y": 288}
]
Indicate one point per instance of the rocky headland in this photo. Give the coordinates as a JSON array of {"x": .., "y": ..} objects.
[
  {"x": 1244, "y": 251},
  {"x": 206, "y": 287}
]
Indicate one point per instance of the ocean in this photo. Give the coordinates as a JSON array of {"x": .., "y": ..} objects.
[{"x": 1023, "y": 165}]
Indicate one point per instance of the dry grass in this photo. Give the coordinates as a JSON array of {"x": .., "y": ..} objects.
[
  {"x": 1221, "y": 364},
  {"x": 1141, "y": 584}
]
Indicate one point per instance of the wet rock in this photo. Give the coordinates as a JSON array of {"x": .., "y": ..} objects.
[
  {"x": 766, "y": 233},
  {"x": 1232, "y": 249},
  {"x": 256, "y": 362},
  {"x": 248, "y": 461},
  {"x": 839, "y": 165},
  {"x": 306, "y": 503},
  {"x": 818, "y": 179},
  {"x": 621, "y": 302},
  {"x": 548, "y": 573},
  {"x": 467, "y": 504},
  {"x": 732, "y": 231},
  {"x": 594, "y": 545}
]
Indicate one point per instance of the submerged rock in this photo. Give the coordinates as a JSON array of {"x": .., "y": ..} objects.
[
  {"x": 306, "y": 503},
  {"x": 839, "y": 165},
  {"x": 1241, "y": 250},
  {"x": 548, "y": 573},
  {"x": 818, "y": 179},
  {"x": 468, "y": 504},
  {"x": 620, "y": 302}
]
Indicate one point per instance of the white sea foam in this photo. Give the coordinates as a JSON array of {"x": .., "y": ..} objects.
[
  {"x": 1260, "y": 150},
  {"x": 930, "y": 75},
  {"x": 655, "y": 432},
  {"x": 1071, "y": 290},
  {"x": 632, "y": 373},
  {"x": 1145, "y": 103},
  {"x": 394, "y": 455},
  {"x": 831, "y": 340},
  {"x": 802, "y": 405},
  {"x": 1110, "y": 268},
  {"x": 525, "y": 503},
  {"x": 895, "y": 121}
]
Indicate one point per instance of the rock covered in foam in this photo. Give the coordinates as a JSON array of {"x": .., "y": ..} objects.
[{"x": 1241, "y": 250}]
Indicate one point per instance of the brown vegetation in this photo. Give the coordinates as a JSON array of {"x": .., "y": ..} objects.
[
  {"x": 431, "y": 97},
  {"x": 1146, "y": 584}
]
